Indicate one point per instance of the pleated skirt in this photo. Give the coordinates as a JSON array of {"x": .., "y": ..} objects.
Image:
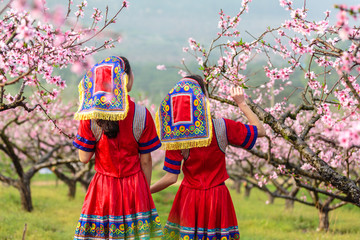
[
  {"x": 118, "y": 208},
  {"x": 206, "y": 214}
]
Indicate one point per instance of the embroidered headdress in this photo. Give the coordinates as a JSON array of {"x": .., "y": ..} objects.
[
  {"x": 183, "y": 120},
  {"x": 103, "y": 93}
]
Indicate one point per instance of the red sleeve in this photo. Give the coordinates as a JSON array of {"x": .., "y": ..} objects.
[
  {"x": 85, "y": 139},
  {"x": 241, "y": 135},
  {"x": 172, "y": 162},
  {"x": 149, "y": 140}
]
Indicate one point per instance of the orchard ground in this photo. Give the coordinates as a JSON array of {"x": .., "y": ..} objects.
[{"x": 55, "y": 216}]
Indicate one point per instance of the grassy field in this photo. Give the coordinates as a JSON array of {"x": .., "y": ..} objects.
[{"x": 55, "y": 216}]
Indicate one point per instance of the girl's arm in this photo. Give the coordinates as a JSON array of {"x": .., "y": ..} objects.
[
  {"x": 167, "y": 180},
  {"x": 146, "y": 166},
  {"x": 237, "y": 94},
  {"x": 85, "y": 156}
]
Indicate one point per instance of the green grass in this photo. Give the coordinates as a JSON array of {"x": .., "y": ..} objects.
[
  {"x": 55, "y": 216},
  {"x": 260, "y": 221}
]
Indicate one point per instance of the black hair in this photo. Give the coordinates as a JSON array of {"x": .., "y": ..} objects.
[
  {"x": 127, "y": 65},
  {"x": 111, "y": 128},
  {"x": 200, "y": 80}
]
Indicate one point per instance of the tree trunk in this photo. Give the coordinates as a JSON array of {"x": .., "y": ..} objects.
[
  {"x": 70, "y": 182},
  {"x": 271, "y": 199},
  {"x": 72, "y": 189},
  {"x": 25, "y": 195},
  {"x": 85, "y": 185},
  {"x": 248, "y": 188},
  {"x": 237, "y": 186},
  {"x": 86, "y": 179},
  {"x": 289, "y": 204},
  {"x": 323, "y": 220}
]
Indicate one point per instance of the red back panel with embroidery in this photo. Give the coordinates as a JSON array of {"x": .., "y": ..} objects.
[{"x": 102, "y": 76}]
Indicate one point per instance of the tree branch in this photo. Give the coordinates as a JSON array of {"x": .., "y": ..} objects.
[
  {"x": 326, "y": 172},
  {"x": 310, "y": 124},
  {"x": 353, "y": 90},
  {"x": 340, "y": 204},
  {"x": 275, "y": 195},
  {"x": 313, "y": 189},
  {"x": 18, "y": 78},
  {"x": 7, "y": 180},
  {"x": 48, "y": 164},
  {"x": 11, "y": 153}
]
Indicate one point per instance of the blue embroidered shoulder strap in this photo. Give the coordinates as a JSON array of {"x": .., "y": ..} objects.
[
  {"x": 96, "y": 130},
  {"x": 220, "y": 132},
  {"x": 139, "y": 121}
]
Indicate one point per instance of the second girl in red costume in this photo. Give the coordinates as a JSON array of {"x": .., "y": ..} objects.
[{"x": 202, "y": 208}]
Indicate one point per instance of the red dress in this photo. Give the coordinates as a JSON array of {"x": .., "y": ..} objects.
[
  {"x": 203, "y": 208},
  {"x": 118, "y": 203}
]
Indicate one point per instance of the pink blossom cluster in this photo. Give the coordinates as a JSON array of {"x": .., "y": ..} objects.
[
  {"x": 161, "y": 67},
  {"x": 182, "y": 73},
  {"x": 332, "y": 144},
  {"x": 335, "y": 140},
  {"x": 97, "y": 15},
  {"x": 34, "y": 42},
  {"x": 35, "y": 133},
  {"x": 345, "y": 31},
  {"x": 286, "y": 4},
  {"x": 347, "y": 134},
  {"x": 82, "y": 6},
  {"x": 278, "y": 74},
  {"x": 125, "y": 3},
  {"x": 345, "y": 98},
  {"x": 347, "y": 60},
  {"x": 228, "y": 25},
  {"x": 194, "y": 45},
  {"x": 298, "y": 22},
  {"x": 48, "y": 49},
  {"x": 298, "y": 47}
]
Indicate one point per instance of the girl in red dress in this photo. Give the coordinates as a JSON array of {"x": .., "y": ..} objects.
[
  {"x": 202, "y": 208},
  {"x": 121, "y": 134}
]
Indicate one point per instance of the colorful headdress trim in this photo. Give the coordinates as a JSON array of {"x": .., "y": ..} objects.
[
  {"x": 103, "y": 91},
  {"x": 183, "y": 120}
]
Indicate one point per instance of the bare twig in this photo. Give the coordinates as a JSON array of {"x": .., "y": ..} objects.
[
  {"x": 24, "y": 232},
  {"x": 18, "y": 78},
  {"x": 69, "y": 9},
  {"x": 353, "y": 90},
  {"x": 6, "y": 6},
  {"x": 98, "y": 32}
]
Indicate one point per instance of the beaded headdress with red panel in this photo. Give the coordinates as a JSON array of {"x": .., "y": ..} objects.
[
  {"x": 103, "y": 91},
  {"x": 183, "y": 120}
]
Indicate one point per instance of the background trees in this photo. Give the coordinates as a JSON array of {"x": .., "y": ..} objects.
[
  {"x": 36, "y": 128},
  {"x": 30, "y": 142}
]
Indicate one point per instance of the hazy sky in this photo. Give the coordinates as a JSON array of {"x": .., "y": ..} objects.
[
  {"x": 156, "y": 30},
  {"x": 165, "y": 25}
]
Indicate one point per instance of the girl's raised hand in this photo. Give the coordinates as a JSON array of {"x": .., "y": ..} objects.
[{"x": 237, "y": 93}]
